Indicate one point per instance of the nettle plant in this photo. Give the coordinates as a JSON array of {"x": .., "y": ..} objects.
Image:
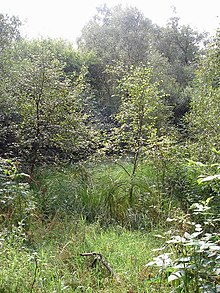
[{"x": 192, "y": 259}]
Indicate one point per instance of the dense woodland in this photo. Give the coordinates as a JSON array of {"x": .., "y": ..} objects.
[{"x": 104, "y": 146}]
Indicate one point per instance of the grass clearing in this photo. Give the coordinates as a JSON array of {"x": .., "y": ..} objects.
[
  {"x": 50, "y": 261},
  {"x": 85, "y": 209}
]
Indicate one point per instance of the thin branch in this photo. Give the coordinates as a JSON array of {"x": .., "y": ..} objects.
[{"x": 103, "y": 261}]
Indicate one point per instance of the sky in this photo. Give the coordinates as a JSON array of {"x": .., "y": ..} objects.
[{"x": 66, "y": 18}]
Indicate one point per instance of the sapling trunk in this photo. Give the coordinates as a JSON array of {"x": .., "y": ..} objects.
[
  {"x": 137, "y": 153},
  {"x": 35, "y": 145},
  {"x": 135, "y": 165}
]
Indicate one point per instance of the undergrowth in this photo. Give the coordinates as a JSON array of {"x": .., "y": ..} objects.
[
  {"x": 101, "y": 193},
  {"x": 49, "y": 259},
  {"x": 48, "y": 222}
]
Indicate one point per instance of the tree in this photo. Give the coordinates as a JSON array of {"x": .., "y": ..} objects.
[
  {"x": 203, "y": 120},
  {"x": 116, "y": 34},
  {"x": 71, "y": 58},
  {"x": 179, "y": 43},
  {"x": 9, "y": 30},
  {"x": 141, "y": 114},
  {"x": 50, "y": 119},
  {"x": 181, "y": 46},
  {"x": 9, "y": 33},
  {"x": 126, "y": 35}
]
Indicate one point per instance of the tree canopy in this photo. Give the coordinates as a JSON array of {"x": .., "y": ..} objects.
[{"x": 53, "y": 96}]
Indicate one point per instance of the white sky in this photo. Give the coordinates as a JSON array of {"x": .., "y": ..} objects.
[{"x": 65, "y": 18}]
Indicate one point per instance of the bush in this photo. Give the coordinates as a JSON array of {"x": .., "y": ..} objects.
[
  {"x": 192, "y": 263},
  {"x": 16, "y": 198}
]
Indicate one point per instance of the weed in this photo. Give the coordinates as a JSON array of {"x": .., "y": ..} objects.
[{"x": 193, "y": 262}]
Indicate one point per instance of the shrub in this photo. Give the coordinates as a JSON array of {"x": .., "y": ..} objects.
[
  {"x": 192, "y": 264},
  {"x": 16, "y": 198}
]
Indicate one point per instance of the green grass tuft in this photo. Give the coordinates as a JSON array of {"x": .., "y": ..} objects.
[{"x": 101, "y": 193}]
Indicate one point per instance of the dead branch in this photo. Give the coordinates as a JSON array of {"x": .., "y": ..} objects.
[{"x": 99, "y": 257}]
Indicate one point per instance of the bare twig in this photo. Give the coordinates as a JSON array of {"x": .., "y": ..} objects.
[
  {"x": 98, "y": 256},
  {"x": 89, "y": 254}
]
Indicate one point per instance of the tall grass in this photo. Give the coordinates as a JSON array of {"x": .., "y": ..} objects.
[
  {"x": 101, "y": 193},
  {"x": 86, "y": 208},
  {"x": 50, "y": 261}
]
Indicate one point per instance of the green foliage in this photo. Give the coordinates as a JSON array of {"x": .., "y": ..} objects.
[
  {"x": 49, "y": 253},
  {"x": 16, "y": 260},
  {"x": 142, "y": 108},
  {"x": 140, "y": 75},
  {"x": 141, "y": 113},
  {"x": 180, "y": 44},
  {"x": 193, "y": 261},
  {"x": 164, "y": 155},
  {"x": 9, "y": 33},
  {"x": 49, "y": 108},
  {"x": 9, "y": 30},
  {"x": 71, "y": 58},
  {"x": 118, "y": 34},
  {"x": 203, "y": 120},
  {"x": 178, "y": 176},
  {"x": 17, "y": 202},
  {"x": 125, "y": 35}
]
